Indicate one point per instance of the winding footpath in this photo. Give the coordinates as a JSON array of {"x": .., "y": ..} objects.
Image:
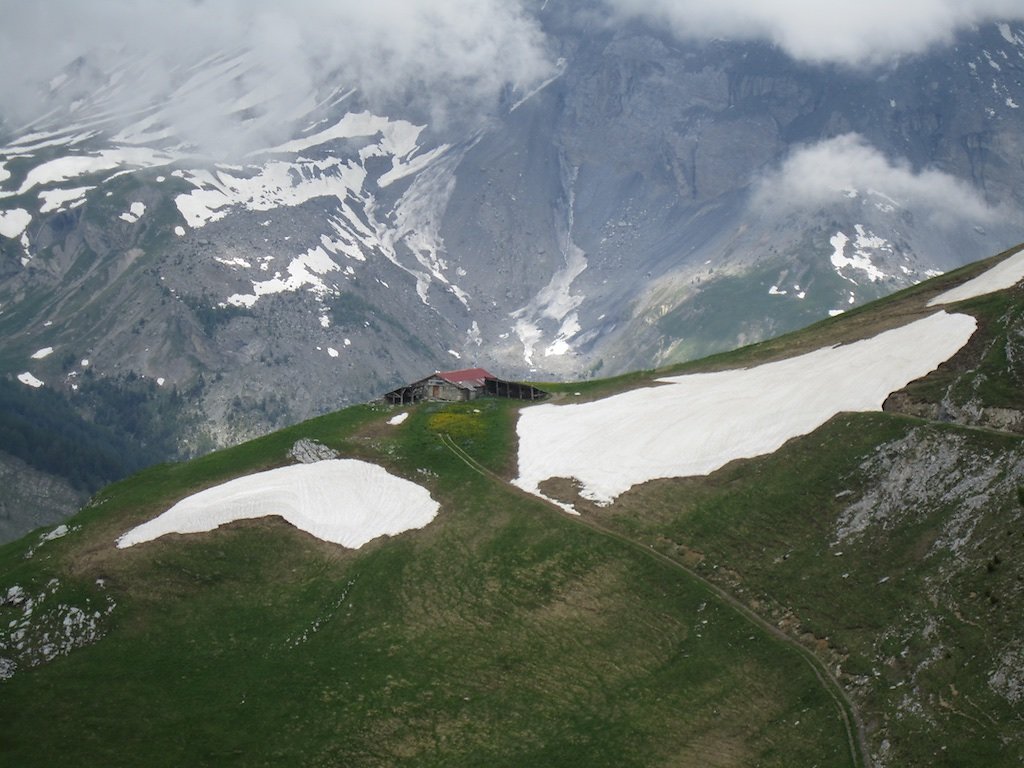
[{"x": 856, "y": 735}]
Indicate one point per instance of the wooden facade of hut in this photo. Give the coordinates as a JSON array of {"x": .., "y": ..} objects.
[{"x": 466, "y": 384}]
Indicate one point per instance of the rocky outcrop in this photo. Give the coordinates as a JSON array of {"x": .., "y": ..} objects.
[
  {"x": 31, "y": 498},
  {"x": 306, "y": 451}
]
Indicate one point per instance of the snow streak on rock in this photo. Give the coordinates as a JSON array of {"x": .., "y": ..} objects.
[
  {"x": 273, "y": 185},
  {"x": 556, "y": 302},
  {"x": 306, "y": 270},
  {"x": 74, "y": 166},
  {"x": 860, "y": 258}
]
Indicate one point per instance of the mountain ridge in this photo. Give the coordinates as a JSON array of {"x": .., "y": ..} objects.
[
  {"x": 648, "y": 202},
  {"x": 878, "y": 541}
]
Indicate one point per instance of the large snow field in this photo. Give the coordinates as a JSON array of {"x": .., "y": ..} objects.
[
  {"x": 1005, "y": 274},
  {"x": 343, "y": 501},
  {"x": 697, "y": 423}
]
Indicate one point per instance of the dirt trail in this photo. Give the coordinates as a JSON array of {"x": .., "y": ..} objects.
[{"x": 856, "y": 734}]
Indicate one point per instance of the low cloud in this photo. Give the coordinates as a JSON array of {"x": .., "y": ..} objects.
[
  {"x": 439, "y": 56},
  {"x": 851, "y": 32},
  {"x": 829, "y": 171}
]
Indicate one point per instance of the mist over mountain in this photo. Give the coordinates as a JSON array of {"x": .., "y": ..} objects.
[{"x": 243, "y": 217}]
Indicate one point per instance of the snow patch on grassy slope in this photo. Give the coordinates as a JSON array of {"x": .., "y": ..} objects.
[
  {"x": 343, "y": 501},
  {"x": 695, "y": 424},
  {"x": 1005, "y": 274}
]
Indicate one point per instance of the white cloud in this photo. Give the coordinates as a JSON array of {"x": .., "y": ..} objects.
[
  {"x": 854, "y": 32},
  {"x": 437, "y": 54},
  {"x": 826, "y": 172}
]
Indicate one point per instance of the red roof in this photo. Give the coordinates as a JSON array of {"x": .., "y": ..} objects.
[{"x": 473, "y": 377}]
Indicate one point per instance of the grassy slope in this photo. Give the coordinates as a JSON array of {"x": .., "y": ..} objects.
[
  {"x": 916, "y": 639},
  {"x": 503, "y": 633},
  {"x": 916, "y": 625}
]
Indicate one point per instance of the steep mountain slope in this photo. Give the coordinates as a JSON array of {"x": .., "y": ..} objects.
[
  {"x": 850, "y": 598},
  {"x": 647, "y": 200}
]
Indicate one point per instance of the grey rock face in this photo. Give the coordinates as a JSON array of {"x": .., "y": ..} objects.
[{"x": 32, "y": 499}]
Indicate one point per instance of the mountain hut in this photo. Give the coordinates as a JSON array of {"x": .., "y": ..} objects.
[{"x": 466, "y": 384}]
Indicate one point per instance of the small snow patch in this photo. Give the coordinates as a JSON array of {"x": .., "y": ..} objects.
[
  {"x": 57, "y": 533},
  {"x": 233, "y": 262},
  {"x": 332, "y": 352},
  {"x": 134, "y": 213},
  {"x": 41, "y": 353},
  {"x": 398, "y": 419},
  {"x": 179, "y": 231},
  {"x": 14, "y": 222},
  {"x": 29, "y": 380}
]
